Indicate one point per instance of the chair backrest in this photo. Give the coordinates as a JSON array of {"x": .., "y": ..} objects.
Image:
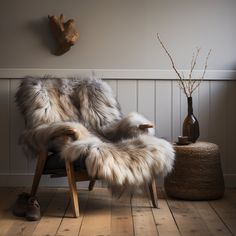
[{"x": 47, "y": 100}]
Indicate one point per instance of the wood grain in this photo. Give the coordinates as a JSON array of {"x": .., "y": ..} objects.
[
  {"x": 187, "y": 218},
  {"x": 165, "y": 223},
  {"x": 144, "y": 223},
  {"x": 52, "y": 217},
  {"x": 102, "y": 214},
  {"x": 213, "y": 222},
  {"x": 97, "y": 216},
  {"x": 226, "y": 210},
  {"x": 121, "y": 220},
  {"x": 26, "y": 228},
  {"x": 70, "y": 226}
]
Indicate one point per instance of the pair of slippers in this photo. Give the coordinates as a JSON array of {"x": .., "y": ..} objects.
[{"x": 27, "y": 206}]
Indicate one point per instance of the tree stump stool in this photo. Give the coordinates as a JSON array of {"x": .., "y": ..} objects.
[{"x": 197, "y": 173}]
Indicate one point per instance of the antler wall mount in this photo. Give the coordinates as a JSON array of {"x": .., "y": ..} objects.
[{"x": 65, "y": 33}]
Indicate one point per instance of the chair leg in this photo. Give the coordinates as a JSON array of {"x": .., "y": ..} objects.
[
  {"x": 91, "y": 184},
  {"x": 153, "y": 193},
  {"x": 72, "y": 186},
  {"x": 38, "y": 172}
]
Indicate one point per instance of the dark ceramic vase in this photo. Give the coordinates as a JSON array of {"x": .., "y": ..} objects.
[{"x": 191, "y": 125}]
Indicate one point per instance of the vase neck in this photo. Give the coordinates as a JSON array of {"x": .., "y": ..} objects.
[{"x": 190, "y": 106}]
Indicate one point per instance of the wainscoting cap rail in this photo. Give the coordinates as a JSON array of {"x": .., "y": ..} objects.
[{"x": 153, "y": 74}]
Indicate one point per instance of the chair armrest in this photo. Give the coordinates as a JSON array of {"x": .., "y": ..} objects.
[
  {"x": 49, "y": 136},
  {"x": 133, "y": 125}
]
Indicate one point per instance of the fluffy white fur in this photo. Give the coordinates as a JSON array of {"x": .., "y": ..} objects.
[
  {"x": 137, "y": 119},
  {"x": 127, "y": 127},
  {"x": 132, "y": 162}
]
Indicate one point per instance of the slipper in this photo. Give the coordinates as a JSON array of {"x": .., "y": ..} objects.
[{"x": 33, "y": 209}]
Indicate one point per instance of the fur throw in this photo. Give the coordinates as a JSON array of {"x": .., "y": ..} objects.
[
  {"x": 131, "y": 162},
  {"x": 47, "y": 100},
  {"x": 82, "y": 117}
]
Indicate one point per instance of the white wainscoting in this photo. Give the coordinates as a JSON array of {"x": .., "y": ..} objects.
[{"x": 160, "y": 100}]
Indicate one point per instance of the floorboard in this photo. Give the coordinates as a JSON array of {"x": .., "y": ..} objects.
[
  {"x": 121, "y": 219},
  {"x": 7, "y": 200},
  {"x": 226, "y": 210},
  {"x": 97, "y": 216},
  {"x": 211, "y": 219},
  {"x": 144, "y": 223},
  {"x": 26, "y": 228},
  {"x": 188, "y": 219},
  {"x": 104, "y": 214},
  {"x": 70, "y": 226},
  {"x": 53, "y": 215},
  {"x": 166, "y": 225}
]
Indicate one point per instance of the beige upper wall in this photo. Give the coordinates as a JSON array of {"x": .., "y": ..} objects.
[{"x": 119, "y": 34}]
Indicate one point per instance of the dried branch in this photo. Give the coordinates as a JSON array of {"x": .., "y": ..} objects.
[
  {"x": 187, "y": 85},
  {"x": 173, "y": 65},
  {"x": 194, "y": 62},
  {"x": 204, "y": 72}
]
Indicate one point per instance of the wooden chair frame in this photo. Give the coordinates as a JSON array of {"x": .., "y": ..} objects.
[{"x": 73, "y": 177}]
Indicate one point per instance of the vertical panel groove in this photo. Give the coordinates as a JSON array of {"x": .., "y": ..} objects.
[
  {"x": 198, "y": 106},
  {"x": 155, "y": 106},
  {"x": 226, "y": 129},
  {"x": 172, "y": 138},
  {"x": 10, "y": 125},
  {"x": 209, "y": 121},
  {"x": 137, "y": 95},
  {"x": 181, "y": 107},
  {"x": 116, "y": 81}
]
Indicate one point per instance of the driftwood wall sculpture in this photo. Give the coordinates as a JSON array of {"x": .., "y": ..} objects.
[{"x": 65, "y": 33}]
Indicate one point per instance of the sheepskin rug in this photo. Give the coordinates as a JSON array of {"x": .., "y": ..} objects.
[{"x": 82, "y": 118}]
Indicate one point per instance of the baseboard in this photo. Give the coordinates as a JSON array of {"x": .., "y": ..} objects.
[
  {"x": 21, "y": 179},
  {"x": 25, "y": 180},
  {"x": 230, "y": 180}
]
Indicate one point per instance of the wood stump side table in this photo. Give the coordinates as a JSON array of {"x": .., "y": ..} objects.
[{"x": 197, "y": 173}]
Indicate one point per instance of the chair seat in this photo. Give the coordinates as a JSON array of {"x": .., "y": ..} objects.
[{"x": 55, "y": 164}]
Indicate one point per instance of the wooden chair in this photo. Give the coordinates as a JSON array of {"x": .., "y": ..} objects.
[
  {"x": 67, "y": 169},
  {"x": 74, "y": 176}
]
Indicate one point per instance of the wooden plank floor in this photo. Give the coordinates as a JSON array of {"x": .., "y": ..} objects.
[{"x": 101, "y": 214}]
